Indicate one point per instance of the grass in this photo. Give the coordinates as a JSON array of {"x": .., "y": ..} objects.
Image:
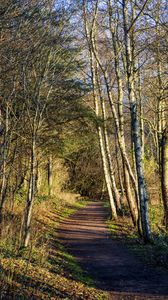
[
  {"x": 71, "y": 209},
  {"x": 155, "y": 253},
  {"x": 44, "y": 270},
  {"x": 73, "y": 267}
]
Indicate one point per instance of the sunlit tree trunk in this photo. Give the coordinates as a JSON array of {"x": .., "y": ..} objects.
[
  {"x": 141, "y": 116},
  {"x": 127, "y": 170},
  {"x": 107, "y": 145},
  {"x": 106, "y": 173},
  {"x": 111, "y": 167},
  {"x": 165, "y": 172},
  {"x": 96, "y": 103},
  {"x": 30, "y": 194},
  {"x": 120, "y": 125},
  {"x": 119, "y": 163},
  {"x": 143, "y": 197}
]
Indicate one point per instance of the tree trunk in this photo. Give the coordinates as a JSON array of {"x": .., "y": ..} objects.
[
  {"x": 50, "y": 176},
  {"x": 30, "y": 195},
  {"x": 120, "y": 122},
  {"x": 141, "y": 116},
  {"x": 119, "y": 168},
  {"x": 106, "y": 173},
  {"x": 4, "y": 165},
  {"x": 96, "y": 103},
  {"x": 143, "y": 198},
  {"x": 113, "y": 181},
  {"x": 107, "y": 147},
  {"x": 164, "y": 166},
  {"x": 121, "y": 141}
]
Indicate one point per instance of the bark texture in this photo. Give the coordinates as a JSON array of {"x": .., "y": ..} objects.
[{"x": 143, "y": 196}]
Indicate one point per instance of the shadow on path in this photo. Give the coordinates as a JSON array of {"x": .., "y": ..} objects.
[{"x": 110, "y": 264}]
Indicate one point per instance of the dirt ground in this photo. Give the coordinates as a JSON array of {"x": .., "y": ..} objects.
[{"x": 107, "y": 261}]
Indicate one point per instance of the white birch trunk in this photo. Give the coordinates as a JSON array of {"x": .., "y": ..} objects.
[
  {"x": 143, "y": 197},
  {"x": 107, "y": 146},
  {"x": 96, "y": 102},
  {"x": 111, "y": 167},
  {"x": 106, "y": 173},
  {"x": 165, "y": 173},
  {"x": 132, "y": 205},
  {"x": 30, "y": 195},
  {"x": 141, "y": 116}
]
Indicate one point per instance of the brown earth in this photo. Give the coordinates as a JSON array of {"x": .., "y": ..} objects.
[{"x": 107, "y": 261}]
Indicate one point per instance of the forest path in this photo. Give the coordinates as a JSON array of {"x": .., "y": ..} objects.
[{"x": 111, "y": 265}]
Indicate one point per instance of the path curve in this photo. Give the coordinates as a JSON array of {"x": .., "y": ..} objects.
[{"x": 110, "y": 264}]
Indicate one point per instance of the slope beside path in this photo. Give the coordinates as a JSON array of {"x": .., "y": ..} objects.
[{"x": 111, "y": 265}]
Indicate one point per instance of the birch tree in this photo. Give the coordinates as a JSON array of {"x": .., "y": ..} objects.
[
  {"x": 107, "y": 81},
  {"x": 143, "y": 197},
  {"x": 97, "y": 107}
]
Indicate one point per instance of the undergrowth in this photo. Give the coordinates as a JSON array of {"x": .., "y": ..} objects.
[
  {"x": 155, "y": 253},
  {"x": 44, "y": 270}
]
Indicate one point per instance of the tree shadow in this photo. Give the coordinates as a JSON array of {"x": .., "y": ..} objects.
[
  {"x": 104, "y": 257},
  {"x": 25, "y": 287}
]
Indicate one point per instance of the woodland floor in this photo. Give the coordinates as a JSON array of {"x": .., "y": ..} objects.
[{"x": 111, "y": 265}]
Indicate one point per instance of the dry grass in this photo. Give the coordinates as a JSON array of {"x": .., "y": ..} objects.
[{"x": 44, "y": 270}]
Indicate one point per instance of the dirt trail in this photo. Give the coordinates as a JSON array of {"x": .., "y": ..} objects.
[{"x": 110, "y": 264}]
